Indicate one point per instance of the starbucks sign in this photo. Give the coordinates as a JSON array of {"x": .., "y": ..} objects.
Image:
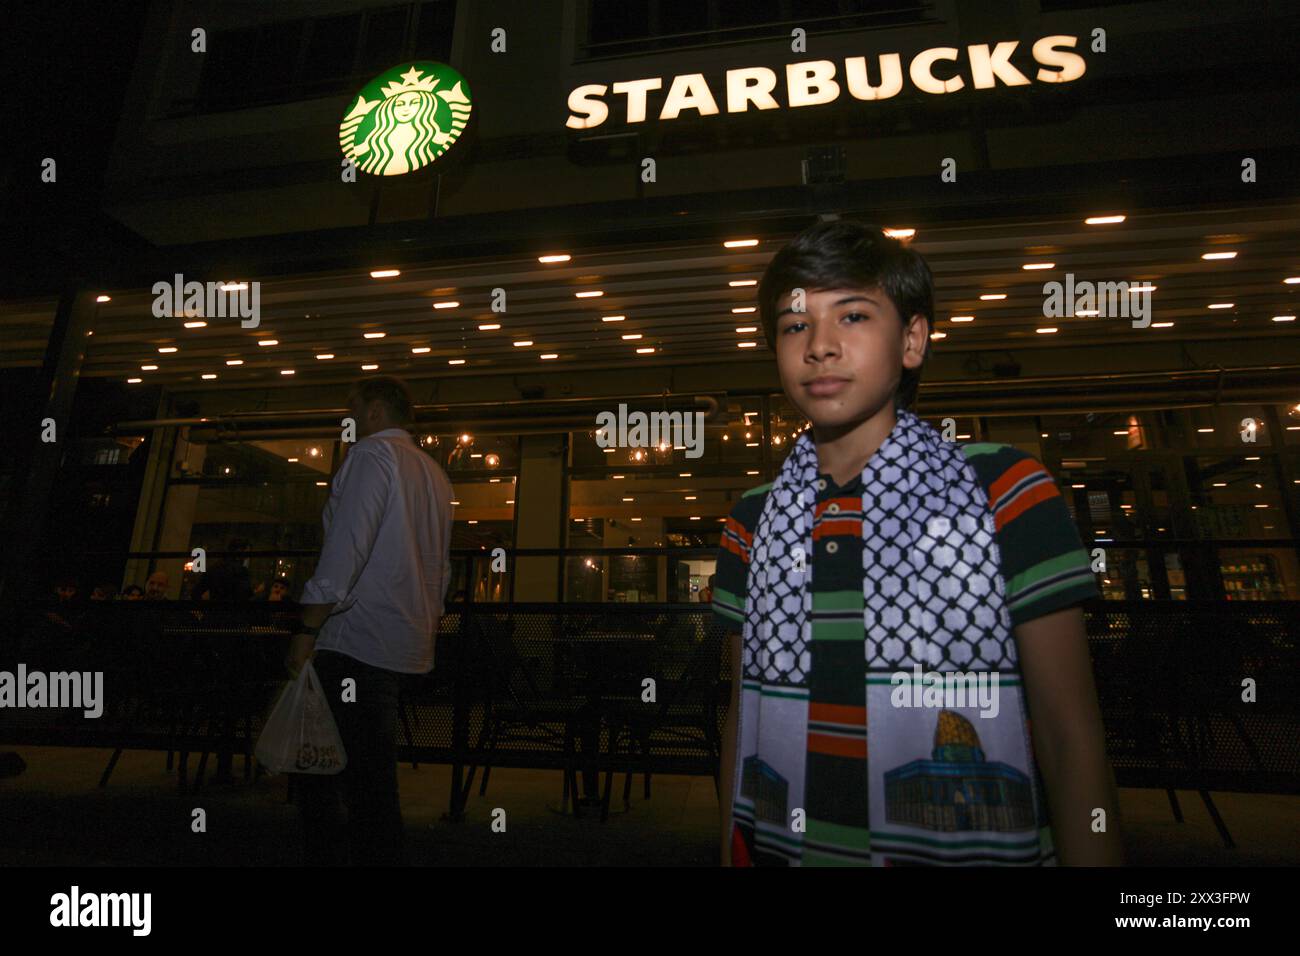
[{"x": 405, "y": 118}]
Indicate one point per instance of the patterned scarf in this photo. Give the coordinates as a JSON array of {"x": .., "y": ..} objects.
[{"x": 950, "y": 779}]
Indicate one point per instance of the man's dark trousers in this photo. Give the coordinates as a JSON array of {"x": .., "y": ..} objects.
[{"x": 373, "y": 834}]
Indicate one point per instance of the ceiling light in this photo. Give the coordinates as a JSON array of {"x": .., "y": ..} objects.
[
  {"x": 1088, "y": 313},
  {"x": 385, "y": 273},
  {"x": 631, "y": 336},
  {"x": 325, "y": 355},
  {"x": 233, "y": 286},
  {"x": 736, "y": 283},
  {"x": 645, "y": 351},
  {"x": 962, "y": 318},
  {"x": 286, "y": 371},
  {"x": 550, "y": 355},
  {"x": 1220, "y": 305},
  {"x": 234, "y": 361},
  {"x": 195, "y": 325},
  {"x": 268, "y": 341},
  {"x": 938, "y": 335},
  {"x": 747, "y": 328},
  {"x": 1161, "y": 325},
  {"x": 374, "y": 335},
  {"x": 134, "y": 381},
  {"x": 167, "y": 349},
  {"x": 557, "y": 257},
  {"x": 1292, "y": 280},
  {"x": 590, "y": 294},
  {"x": 900, "y": 233},
  {"x": 446, "y": 305},
  {"x": 369, "y": 368},
  {"x": 746, "y": 345},
  {"x": 1142, "y": 287},
  {"x": 489, "y": 326},
  {"x": 1031, "y": 266},
  {"x": 689, "y": 497},
  {"x": 455, "y": 361},
  {"x": 1046, "y": 330},
  {"x": 148, "y": 368},
  {"x": 612, "y": 318},
  {"x": 993, "y": 296},
  {"x": 523, "y": 343},
  {"x": 1103, "y": 220},
  {"x": 1219, "y": 255},
  {"x": 209, "y": 375},
  {"x": 103, "y": 298},
  {"x": 739, "y": 243},
  {"x": 741, "y": 310},
  {"x": 420, "y": 349},
  {"x": 1284, "y": 318}
]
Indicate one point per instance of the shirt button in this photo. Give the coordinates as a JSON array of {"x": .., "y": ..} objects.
[
  {"x": 821, "y": 484},
  {"x": 833, "y": 508},
  {"x": 832, "y": 547}
]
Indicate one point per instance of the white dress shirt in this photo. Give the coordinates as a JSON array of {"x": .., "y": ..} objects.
[{"x": 385, "y": 564}]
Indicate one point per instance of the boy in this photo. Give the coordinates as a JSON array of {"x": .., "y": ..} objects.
[{"x": 904, "y": 604}]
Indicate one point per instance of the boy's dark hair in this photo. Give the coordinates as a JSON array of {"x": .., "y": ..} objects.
[
  {"x": 848, "y": 254},
  {"x": 391, "y": 391}
]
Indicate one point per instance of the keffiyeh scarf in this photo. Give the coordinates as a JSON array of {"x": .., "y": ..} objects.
[{"x": 949, "y": 765}]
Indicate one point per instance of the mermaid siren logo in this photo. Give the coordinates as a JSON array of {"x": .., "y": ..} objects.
[{"x": 405, "y": 118}]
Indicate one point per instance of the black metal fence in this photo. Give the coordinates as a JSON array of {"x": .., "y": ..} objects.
[{"x": 1202, "y": 696}]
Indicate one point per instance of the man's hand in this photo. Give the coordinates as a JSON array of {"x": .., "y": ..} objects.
[{"x": 301, "y": 647}]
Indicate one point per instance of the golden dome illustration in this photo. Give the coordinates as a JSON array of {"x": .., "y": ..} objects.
[{"x": 952, "y": 729}]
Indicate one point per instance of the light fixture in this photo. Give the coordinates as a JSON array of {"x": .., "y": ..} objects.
[
  {"x": 196, "y": 325},
  {"x": 550, "y": 355},
  {"x": 466, "y": 438},
  {"x": 103, "y": 298},
  {"x": 1103, "y": 220},
  {"x": 961, "y": 318},
  {"x": 148, "y": 368},
  {"x": 1221, "y": 305},
  {"x": 1033, "y": 266},
  {"x": 455, "y": 361},
  {"x": 612, "y": 318},
  {"x": 737, "y": 283},
  {"x": 287, "y": 371},
  {"x": 209, "y": 375},
  {"x": 233, "y": 286},
  {"x": 746, "y": 345},
  {"x": 134, "y": 381},
  {"x": 744, "y": 329},
  {"x": 1162, "y": 325},
  {"x": 589, "y": 294},
  {"x": 167, "y": 349},
  {"x": 631, "y": 336},
  {"x": 739, "y": 243},
  {"x": 420, "y": 349},
  {"x": 369, "y": 368},
  {"x": 1088, "y": 313},
  {"x": 1292, "y": 280},
  {"x": 234, "y": 361},
  {"x": 900, "y": 233},
  {"x": 645, "y": 351},
  {"x": 492, "y": 459},
  {"x": 1046, "y": 330},
  {"x": 1143, "y": 287},
  {"x": 451, "y": 304},
  {"x": 993, "y": 296},
  {"x": 489, "y": 326},
  {"x": 744, "y": 309},
  {"x": 323, "y": 356},
  {"x": 556, "y": 257},
  {"x": 374, "y": 335},
  {"x": 268, "y": 341},
  {"x": 385, "y": 273},
  {"x": 522, "y": 343},
  {"x": 1219, "y": 255},
  {"x": 1284, "y": 318},
  {"x": 938, "y": 335}
]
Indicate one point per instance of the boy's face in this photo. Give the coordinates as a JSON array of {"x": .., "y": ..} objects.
[{"x": 841, "y": 359}]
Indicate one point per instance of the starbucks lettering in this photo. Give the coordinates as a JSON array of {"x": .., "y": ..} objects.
[{"x": 936, "y": 71}]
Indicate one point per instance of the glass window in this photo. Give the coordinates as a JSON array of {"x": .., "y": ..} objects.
[
  {"x": 1236, "y": 496},
  {"x": 385, "y": 30},
  {"x": 434, "y": 33},
  {"x": 331, "y": 50},
  {"x": 1259, "y": 574}
]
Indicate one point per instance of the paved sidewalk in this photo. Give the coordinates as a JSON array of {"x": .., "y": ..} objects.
[{"x": 54, "y": 814}]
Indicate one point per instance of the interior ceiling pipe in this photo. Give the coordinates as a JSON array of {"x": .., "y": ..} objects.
[{"x": 568, "y": 408}]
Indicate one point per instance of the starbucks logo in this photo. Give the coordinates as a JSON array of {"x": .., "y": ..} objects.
[{"x": 405, "y": 118}]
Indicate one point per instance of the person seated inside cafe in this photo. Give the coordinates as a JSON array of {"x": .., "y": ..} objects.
[{"x": 155, "y": 588}]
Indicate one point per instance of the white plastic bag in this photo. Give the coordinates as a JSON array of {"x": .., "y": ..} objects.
[{"x": 300, "y": 736}]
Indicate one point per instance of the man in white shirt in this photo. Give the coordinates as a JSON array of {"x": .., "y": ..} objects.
[{"x": 370, "y": 613}]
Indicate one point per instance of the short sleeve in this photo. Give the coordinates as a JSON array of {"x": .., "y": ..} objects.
[
  {"x": 731, "y": 575},
  {"x": 1044, "y": 562}
]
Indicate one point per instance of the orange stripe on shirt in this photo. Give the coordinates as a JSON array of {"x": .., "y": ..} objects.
[
  {"x": 833, "y": 746},
  {"x": 1023, "y": 502},
  {"x": 829, "y": 529},
  {"x": 838, "y": 714},
  {"x": 1012, "y": 477},
  {"x": 738, "y": 529},
  {"x": 735, "y": 547}
]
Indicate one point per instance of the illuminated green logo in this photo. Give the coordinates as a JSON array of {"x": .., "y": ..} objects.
[{"x": 405, "y": 118}]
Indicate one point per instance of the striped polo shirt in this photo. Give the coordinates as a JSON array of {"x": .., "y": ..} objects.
[{"x": 1044, "y": 567}]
